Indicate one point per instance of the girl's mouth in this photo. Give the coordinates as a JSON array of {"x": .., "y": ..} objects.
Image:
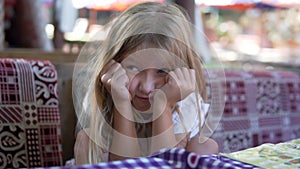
[
  {"x": 141, "y": 103},
  {"x": 143, "y": 98}
]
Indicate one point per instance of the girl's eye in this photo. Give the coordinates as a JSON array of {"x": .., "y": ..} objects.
[
  {"x": 165, "y": 70},
  {"x": 132, "y": 68}
]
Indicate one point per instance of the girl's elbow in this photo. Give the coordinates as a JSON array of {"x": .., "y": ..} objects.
[
  {"x": 209, "y": 146},
  {"x": 214, "y": 147}
]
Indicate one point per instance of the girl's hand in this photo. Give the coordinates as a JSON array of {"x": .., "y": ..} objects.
[
  {"x": 116, "y": 81},
  {"x": 179, "y": 84}
]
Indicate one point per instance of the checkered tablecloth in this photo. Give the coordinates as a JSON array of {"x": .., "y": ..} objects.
[{"x": 171, "y": 158}]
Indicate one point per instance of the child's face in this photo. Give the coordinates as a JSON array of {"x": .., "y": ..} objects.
[{"x": 147, "y": 70}]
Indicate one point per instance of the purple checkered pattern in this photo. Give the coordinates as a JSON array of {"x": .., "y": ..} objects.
[
  {"x": 136, "y": 163},
  {"x": 180, "y": 158},
  {"x": 174, "y": 158}
]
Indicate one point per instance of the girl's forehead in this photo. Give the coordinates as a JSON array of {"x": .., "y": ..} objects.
[{"x": 153, "y": 58}]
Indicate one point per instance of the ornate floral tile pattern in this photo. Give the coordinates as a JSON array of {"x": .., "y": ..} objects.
[
  {"x": 30, "y": 134},
  {"x": 261, "y": 106}
]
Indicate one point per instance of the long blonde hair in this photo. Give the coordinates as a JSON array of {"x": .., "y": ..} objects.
[{"x": 162, "y": 25}]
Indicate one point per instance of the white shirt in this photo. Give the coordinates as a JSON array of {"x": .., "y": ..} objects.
[{"x": 189, "y": 111}]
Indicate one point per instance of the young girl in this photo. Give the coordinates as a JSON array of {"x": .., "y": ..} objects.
[{"x": 142, "y": 89}]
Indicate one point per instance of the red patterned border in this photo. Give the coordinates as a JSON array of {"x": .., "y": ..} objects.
[{"x": 30, "y": 131}]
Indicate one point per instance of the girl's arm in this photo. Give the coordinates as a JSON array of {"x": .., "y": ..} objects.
[
  {"x": 124, "y": 142},
  {"x": 124, "y": 137},
  {"x": 81, "y": 148},
  {"x": 163, "y": 132},
  {"x": 180, "y": 83}
]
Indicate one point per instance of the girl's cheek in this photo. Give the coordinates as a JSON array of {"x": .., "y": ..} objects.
[
  {"x": 131, "y": 79},
  {"x": 132, "y": 84},
  {"x": 130, "y": 75}
]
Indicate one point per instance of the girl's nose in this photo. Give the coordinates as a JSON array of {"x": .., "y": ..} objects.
[{"x": 148, "y": 83}]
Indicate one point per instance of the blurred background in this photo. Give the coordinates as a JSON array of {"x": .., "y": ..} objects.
[
  {"x": 239, "y": 34},
  {"x": 243, "y": 31}
]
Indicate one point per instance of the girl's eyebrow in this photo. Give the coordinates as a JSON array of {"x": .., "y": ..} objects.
[
  {"x": 127, "y": 60},
  {"x": 130, "y": 59}
]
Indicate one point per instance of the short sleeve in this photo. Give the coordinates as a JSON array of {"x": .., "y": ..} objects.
[{"x": 188, "y": 109}]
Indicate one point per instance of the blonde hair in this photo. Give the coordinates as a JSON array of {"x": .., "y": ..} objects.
[{"x": 162, "y": 25}]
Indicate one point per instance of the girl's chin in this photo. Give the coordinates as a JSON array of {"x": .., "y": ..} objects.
[{"x": 142, "y": 107}]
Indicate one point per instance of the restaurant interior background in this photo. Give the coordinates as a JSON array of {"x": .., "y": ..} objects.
[
  {"x": 244, "y": 31},
  {"x": 241, "y": 34}
]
